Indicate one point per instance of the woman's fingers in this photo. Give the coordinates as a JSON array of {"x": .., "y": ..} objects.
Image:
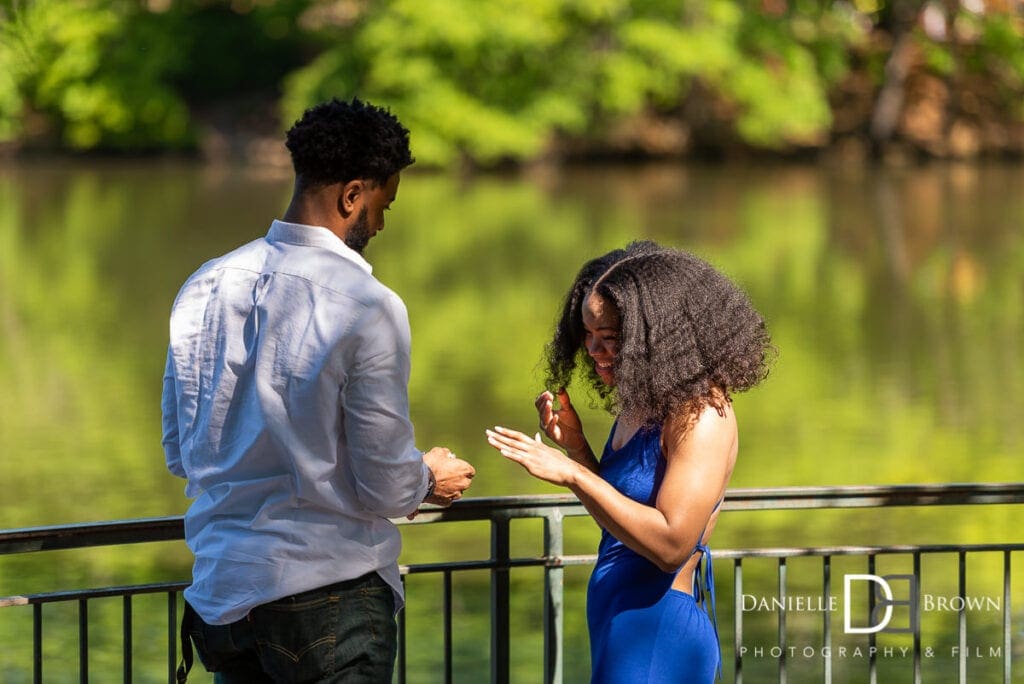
[
  {"x": 502, "y": 440},
  {"x": 498, "y": 441},
  {"x": 539, "y": 459},
  {"x": 509, "y": 452},
  {"x": 545, "y": 410},
  {"x": 514, "y": 437},
  {"x": 544, "y": 401},
  {"x": 512, "y": 443}
]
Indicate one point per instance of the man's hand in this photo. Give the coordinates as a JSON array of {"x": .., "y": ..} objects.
[{"x": 451, "y": 474}]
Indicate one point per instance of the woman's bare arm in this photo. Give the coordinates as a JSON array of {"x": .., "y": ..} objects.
[{"x": 699, "y": 455}]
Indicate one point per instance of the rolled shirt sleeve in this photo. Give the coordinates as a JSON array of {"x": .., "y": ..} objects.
[
  {"x": 169, "y": 409},
  {"x": 390, "y": 475}
]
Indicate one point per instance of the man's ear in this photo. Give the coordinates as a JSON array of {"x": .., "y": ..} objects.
[{"x": 350, "y": 199}]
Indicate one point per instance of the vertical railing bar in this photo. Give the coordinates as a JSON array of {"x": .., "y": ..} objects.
[
  {"x": 127, "y": 621},
  {"x": 962, "y": 615},
  {"x": 83, "y": 640},
  {"x": 915, "y": 616},
  {"x": 37, "y": 643},
  {"x": 172, "y": 635},
  {"x": 782, "y": 620},
  {"x": 737, "y": 639},
  {"x": 1007, "y": 661},
  {"x": 826, "y": 616},
  {"x": 500, "y": 600},
  {"x": 447, "y": 626},
  {"x": 554, "y": 598},
  {"x": 402, "y": 634},
  {"x": 872, "y": 641}
]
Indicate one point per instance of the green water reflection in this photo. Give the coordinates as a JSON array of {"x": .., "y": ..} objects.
[{"x": 895, "y": 297}]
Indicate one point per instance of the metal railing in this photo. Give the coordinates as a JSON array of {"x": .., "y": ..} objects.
[{"x": 553, "y": 509}]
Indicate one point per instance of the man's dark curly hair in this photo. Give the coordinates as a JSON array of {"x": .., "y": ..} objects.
[
  {"x": 688, "y": 336},
  {"x": 336, "y": 142}
]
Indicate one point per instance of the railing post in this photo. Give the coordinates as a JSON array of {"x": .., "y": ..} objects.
[
  {"x": 553, "y": 598},
  {"x": 499, "y": 599},
  {"x": 962, "y": 615},
  {"x": 737, "y": 580},
  {"x": 1007, "y": 663},
  {"x": 172, "y": 636},
  {"x": 126, "y": 617},
  {"x": 37, "y": 643},
  {"x": 826, "y": 616},
  {"x": 83, "y": 640},
  {"x": 782, "y": 621},
  {"x": 446, "y": 607},
  {"x": 402, "y": 664},
  {"x": 916, "y": 617},
  {"x": 872, "y": 637}
]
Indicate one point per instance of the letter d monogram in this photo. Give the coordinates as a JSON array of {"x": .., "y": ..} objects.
[{"x": 870, "y": 629}]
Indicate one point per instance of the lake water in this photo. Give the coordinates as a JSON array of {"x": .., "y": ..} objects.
[{"x": 894, "y": 295}]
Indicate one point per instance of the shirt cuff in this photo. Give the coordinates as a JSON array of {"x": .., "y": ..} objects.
[{"x": 428, "y": 482}]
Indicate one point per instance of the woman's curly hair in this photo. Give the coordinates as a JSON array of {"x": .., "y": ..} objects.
[
  {"x": 336, "y": 142},
  {"x": 688, "y": 336}
]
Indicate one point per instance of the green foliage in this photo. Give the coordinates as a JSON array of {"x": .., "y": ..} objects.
[
  {"x": 226, "y": 50},
  {"x": 503, "y": 80},
  {"x": 480, "y": 81},
  {"x": 1000, "y": 40},
  {"x": 988, "y": 46},
  {"x": 1000, "y": 57},
  {"x": 90, "y": 72}
]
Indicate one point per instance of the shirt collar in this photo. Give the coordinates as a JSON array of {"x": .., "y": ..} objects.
[{"x": 315, "y": 236}]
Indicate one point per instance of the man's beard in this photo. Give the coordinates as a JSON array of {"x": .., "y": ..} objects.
[{"x": 358, "y": 236}]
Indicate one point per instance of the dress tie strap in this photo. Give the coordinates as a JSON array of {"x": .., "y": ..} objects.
[{"x": 704, "y": 585}]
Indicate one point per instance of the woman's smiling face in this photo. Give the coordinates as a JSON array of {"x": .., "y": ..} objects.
[{"x": 601, "y": 324}]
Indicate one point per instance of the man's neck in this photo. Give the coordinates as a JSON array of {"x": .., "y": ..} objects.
[{"x": 312, "y": 209}]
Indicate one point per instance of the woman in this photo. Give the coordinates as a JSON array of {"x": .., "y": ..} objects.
[{"x": 665, "y": 340}]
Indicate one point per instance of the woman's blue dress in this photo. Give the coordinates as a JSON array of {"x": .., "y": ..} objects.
[{"x": 642, "y": 630}]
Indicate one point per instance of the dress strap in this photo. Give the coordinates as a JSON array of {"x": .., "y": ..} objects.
[{"x": 704, "y": 585}]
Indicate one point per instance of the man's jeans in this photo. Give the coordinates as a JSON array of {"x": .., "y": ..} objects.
[{"x": 344, "y": 632}]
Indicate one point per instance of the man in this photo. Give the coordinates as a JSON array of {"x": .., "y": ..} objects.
[{"x": 285, "y": 405}]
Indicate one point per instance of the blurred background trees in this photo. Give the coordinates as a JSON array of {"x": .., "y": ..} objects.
[{"x": 493, "y": 82}]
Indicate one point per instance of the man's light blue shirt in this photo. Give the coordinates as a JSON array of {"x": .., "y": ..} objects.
[{"x": 285, "y": 405}]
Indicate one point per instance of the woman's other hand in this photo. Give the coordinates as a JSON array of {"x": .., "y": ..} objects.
[
  {"x": 540, "y": 460},
  {"x": 563, "y": 426}
]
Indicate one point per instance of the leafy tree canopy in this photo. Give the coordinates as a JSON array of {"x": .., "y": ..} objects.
[{"x": 500, "y": 80}]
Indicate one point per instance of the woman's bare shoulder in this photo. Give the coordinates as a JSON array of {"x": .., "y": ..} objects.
[{"x": 709, "y": 426}]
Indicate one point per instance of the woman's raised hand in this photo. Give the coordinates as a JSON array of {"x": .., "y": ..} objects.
[{"x": 563, "y": 426}]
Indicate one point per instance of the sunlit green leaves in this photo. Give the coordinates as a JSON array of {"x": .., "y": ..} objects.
[
  {"x": 781, "y": 101},
  {"x": 479, "y": 81},
  {"x": 92, "y": 71},
  {"x": 497, "y": 80}
]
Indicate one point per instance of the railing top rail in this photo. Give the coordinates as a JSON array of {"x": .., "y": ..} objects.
[
  {"x": 874, "y": 496},
  {"x": 82, "y": 535}
]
